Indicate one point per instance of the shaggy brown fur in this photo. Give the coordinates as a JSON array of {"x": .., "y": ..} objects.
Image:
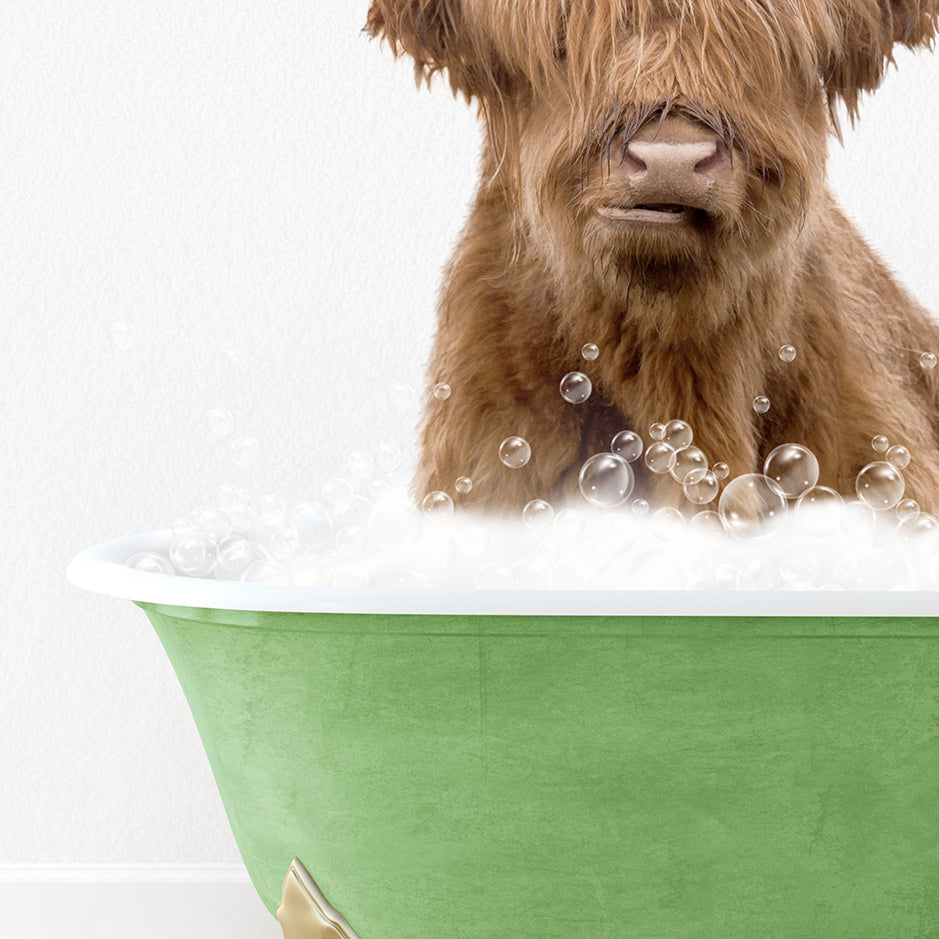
[{"x": 688, "y": 317}]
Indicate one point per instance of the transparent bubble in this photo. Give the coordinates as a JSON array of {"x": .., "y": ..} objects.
[
  {"x": 880, "y": 485},
  {"x": 913, "y": 529},
  {"x": 906, "y": 509},
  {"x": 701, "y": 486},
  {"x": 880, "y": 443},
  {"x": 678, "y": 435},
  {"x": 927, "y": 360},
  {"x": 590, "y": 351},
  {"x": 266, "y": 571},
  {"x": 234, "y": 554},
  {"x": 640, "y": 507},
  {"x": 668, "y": 523},
  {"x": 628, "y": 445},
  {"x": 819, "y": 510},
  {"x": 761, "y": 404},
  {"x": 437, "y": 505},
  {"x": 216, "y": 522},
  {"x": 312, "y": 521},
  {"x": 350, "y": 541},
  {"x": 538, "y": 515},
  {"x": 857, "y": 518},
  {"x": 395, "y": 524},
  {"x": 402, "y": 397},
  {"x": 514, "y": 452},
  {"x": 530, "y": 574},
  {"x": 660, "y": 457},
  {"x": 245, "y": 450},
  {"x": 799, "y": 566},
  {"x": 388, "y": 457},
  {"x": 606, "y": 480},
  {"x": 721, "y": 470},
  {"x": 151, "y": 562},
  {"x": 493, "y": 576},
  {"x": 787, "y": 353},
  {"x": 707, "y": 525},
  {"x": 338, "y": 494},
  {"x": 286, "y": 543},
  {"x": 192, "y": 553},
  {"x": 752, "y": 507},
  {"x": 272, "y": 510},
  {"x": 463, "y": 485},
  {"x": 308, "y": 570},
  {"x": 441, "y": 391},
  {"x": 576, "y": 387},
  {"x": 359, "y": 466},
  {"x": 569, "y": 524},
  {"x": 760, "y": 574},
  {"x": 221, "y": 421},
  {"x": 687, "y": 460},
  {"x": 898, "y": 456},
  {"x": 657, "y": 431},
  {"x": 793, "y": 468}
]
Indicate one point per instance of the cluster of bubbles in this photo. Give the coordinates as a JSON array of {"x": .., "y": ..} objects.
[{"x": 360, "y": 529}]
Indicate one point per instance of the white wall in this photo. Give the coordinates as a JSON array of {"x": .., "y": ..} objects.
[{"x": 204, "y": 174}]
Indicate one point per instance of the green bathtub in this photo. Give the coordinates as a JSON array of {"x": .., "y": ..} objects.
[{"x": 450, "y": 765}]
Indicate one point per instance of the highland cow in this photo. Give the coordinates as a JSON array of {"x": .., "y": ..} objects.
[{"x": 653, "y": 181}]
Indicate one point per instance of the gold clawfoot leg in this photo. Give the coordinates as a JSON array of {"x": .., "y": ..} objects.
[{"x": 304, "y": 912}]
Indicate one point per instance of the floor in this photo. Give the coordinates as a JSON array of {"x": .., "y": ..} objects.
[{"x": 140, "y": 911}]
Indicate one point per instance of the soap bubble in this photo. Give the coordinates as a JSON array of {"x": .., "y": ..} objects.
[
  {"x": 234, "y": 553},
  {"x": 787, "y": 353},
  {"x": 221, "y": 421},
  {"x": 395, "y": 524},
  {"x": 493, "y": 576},
  {"x": 312, "y": 522},
  {"x": 880, "y": 443},
  {"x": 687, "y": 460},
  {"x": 339, "y": 494},
  {"x": 640, "y": 507},
  {"x": 193, "y": 554},
  {"x": 286, "y": 543},
  {"x": 914, "y": 528},
  {"x": 441, "y": 391},
  {"x": 752, "y": 507},
  {"x": 880, "y": 485},
  {"x": 668, "y": 523},
  {"x": 899, "y": 456},
  {"x": 359, "y": 466},
  {"x": 463, "y": 485},
  {"x": 149, "y": 561},
  {"x": 761, "y": 404},
  {"x": 660, "y": 457},
  {"x": 819, "y": 510},
  {"x": 701, "y": 486},
  {"x": 388, "y": 457},
  {"x": 628, "y": 445},
  {"x": 350, "y": 541},
  {"x": 760, "y": 574},
  {"x": 799, "y": 566},
  {"x": 245, "y": 450},
  {"x": 266, "y": 571},
  {"x": 514, "y": 452},
  {"x": 678, "y": 435},
  {"x": 907, "y": 509},
  {"x": 272, "y": 510},
  {"x": 721, "y": 470},
  {"x": 657, "y": 431},
  {"x": 927, "y": 360},
  {"x": 575, "y": 387},
  {"x": 437, "y": 505},
  {"x": 858, "y": 518},
  {"x": 606, "y": 480},
  {"x": 569, "y": 524},
  {"x": 793, "y": 468},
  {"x": 538, "y": 515},
  {"x": 530, "y": 574},
  {"x": 590, "y": 351},
  {"x": 707, "y": 525}
]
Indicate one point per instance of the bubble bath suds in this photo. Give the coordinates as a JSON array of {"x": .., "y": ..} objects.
[{"x": 777, "y": 530}]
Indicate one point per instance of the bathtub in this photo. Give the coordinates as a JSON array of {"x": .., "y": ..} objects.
[{"x": 536, "y": 764}]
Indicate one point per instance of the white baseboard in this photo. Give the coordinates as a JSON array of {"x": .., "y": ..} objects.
[{"x": 125, "y": 901}]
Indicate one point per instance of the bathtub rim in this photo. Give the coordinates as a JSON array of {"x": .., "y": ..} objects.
[{"x": 101, "y": 569}]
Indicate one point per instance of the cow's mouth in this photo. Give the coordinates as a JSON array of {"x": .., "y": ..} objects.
[{"x": 655, "y": 212}]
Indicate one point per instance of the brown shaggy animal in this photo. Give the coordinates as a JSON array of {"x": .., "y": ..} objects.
[{"x": 653, "y": 181}]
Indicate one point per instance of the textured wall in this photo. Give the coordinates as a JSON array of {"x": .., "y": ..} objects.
[{"x": 187, "y": 183}]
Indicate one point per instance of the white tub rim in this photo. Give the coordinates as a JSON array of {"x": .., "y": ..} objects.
[{"x": 102, "y": 569}]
